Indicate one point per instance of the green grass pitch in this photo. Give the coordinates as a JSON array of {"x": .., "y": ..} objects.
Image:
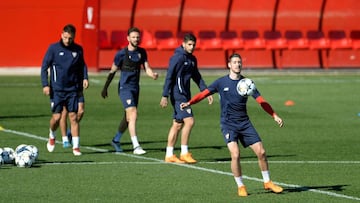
[{"x": 315, "y": 156}]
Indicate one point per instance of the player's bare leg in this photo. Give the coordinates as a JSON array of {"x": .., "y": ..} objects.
[
  {"x": 75, "y": 132},
  {"x": 54, "y": 124},
  {"x": 185, "y": 135},
  {"x": 236, "y": 167},
  {"x": 131, "y": 116},
  {"x": 170, "y": 157},
  {"x": 259, "y": 150},
  {"x": 63, "y": 128},
  {"x": 115, "y": 142}
]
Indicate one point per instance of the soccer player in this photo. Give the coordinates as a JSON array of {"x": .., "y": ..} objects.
[
  {"x": 129, "y": 61},
  {"x": 182, "y": 68},
  {"x": 66, "y": 61},
  {"x": 66, "y": 133},
  {"x": 235, "y": 123}
]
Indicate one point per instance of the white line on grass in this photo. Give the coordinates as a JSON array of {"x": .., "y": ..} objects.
[{"x": 183, "y": 165}]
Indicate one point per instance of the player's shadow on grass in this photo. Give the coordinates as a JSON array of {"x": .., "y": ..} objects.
[
  {"x": 24, "y": 116},
  {"x": 337, "y": 188},
  {"x": 250, "y": 157}
]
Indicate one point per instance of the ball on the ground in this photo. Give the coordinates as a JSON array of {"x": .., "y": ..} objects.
[
  {"x": 8, "y": 155},
  {"x": 246, "y": 87},
  {"x": 23, "y": 159}
]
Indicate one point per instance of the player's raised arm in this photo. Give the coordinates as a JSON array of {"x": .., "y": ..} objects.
[{"x": 197, "y": 98}]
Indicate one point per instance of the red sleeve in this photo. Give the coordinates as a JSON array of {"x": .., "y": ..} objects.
[
  {"x": 265, "y": 105},
  {"x": 199, "y": 96}
]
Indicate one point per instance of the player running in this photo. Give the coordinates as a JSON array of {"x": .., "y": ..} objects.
[{"x": 235, "y": 123}]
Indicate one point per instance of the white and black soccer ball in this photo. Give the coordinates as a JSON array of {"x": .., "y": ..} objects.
[
  {"x": 1, "y": 159},
  {"x": 246, "y": 87},
  {"x": 23, "y": 159},
  {"x": 34, "y": 152},
  {"x": 8, "y": 155}
]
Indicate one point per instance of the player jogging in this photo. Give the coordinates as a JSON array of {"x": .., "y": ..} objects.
[{"x": 235, "y": 123}]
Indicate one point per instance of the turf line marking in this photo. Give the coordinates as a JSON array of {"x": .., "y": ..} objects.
[
  {"x": 184, "y": 165},
  {"x": 286, "y": 162}
]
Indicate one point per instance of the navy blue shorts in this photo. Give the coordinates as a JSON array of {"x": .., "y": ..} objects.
[
  {"x": 129, "y": 97},
  {"x": 245, "y": 133},
  {"x": 68, "y": 99},
  {"x": 179, "y": 114}
]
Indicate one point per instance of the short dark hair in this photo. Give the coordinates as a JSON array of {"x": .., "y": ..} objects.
[
  {"x": 69, "y": 28},
  {"x": 133, "y": 29},
  {"x": 189, "y": 37},
  {"x": 234, "y": 55}
]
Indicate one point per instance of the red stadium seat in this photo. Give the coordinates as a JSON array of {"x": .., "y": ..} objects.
[
  {"x": 104, "y": 42},
  {"x": 207, "y": 39},
  {"x": 119, "y": 39},
  {"x": 317, "y": 40},
  {"x": 166, "y": 39},
  {"x": 252, "y": 40},
  {"x": 231, "y": 40},
  {"x": 296, "y": 40},
  {"x": 274, "y": 40},
  {"x": 338, "y": 40},
  {"x": 355, "y": 38},
  {"x": 147, "y": 40}
]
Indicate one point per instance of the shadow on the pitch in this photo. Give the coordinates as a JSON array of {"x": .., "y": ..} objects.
[
  {"x": 24, "y": 116},
  {"x": 337, "y": 188}
]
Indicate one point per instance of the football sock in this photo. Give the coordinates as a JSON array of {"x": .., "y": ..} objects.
[
  {"x": 76, "y": 141},
  {"x": 238, "y": 181},
  {"x": 117, "y": 137},
  {"x": 184, "y": 149},
  {"x": 51, "y": 134},
  {"x": 169, "y": 151},
  {"x": 135, "y": 141},
  {"x": 65, "y": 139},
  {"x": 266, "y": 176}
]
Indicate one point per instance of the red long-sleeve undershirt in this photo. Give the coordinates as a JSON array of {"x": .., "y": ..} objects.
[{"x": 260, "y": 100}]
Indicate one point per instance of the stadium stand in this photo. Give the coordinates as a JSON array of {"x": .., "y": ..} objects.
[
  {"x": 355, "y": 38},
  {"x": 159, "y": 21},
  {"x": 230, "y": 40},
  {"x": 267, "y": 33},
  {"x": 293, "y": 20},
  {"x": 201, "y": 16},
  {"x": 250, "y": 19},
  {"x": 115, "y": 19},
  {"x": 339, "y": 19}
]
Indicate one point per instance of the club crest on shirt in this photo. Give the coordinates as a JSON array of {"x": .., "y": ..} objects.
[
  {"x": 227, "y": 136},
  {"x": 226, "y": 89},
  {"x": 128, "y": 101},
  {"x": 74, "y": 54},
  {"x": 61, "y": 53}
]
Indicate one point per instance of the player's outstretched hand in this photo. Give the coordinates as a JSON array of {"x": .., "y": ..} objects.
[
  {"x": 104, "y": 93},
  {"x": 278, "y": 120},
  {"x": 155, "y": 76}
]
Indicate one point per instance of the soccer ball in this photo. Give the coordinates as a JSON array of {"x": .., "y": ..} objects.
[
  {"x": 23, "y": 159},
  {"x": 1, "y": 159},
  {"x": 8, "y": 155},
  {"x": 34, "y": 152},
  {"x": 246, "y": 87}
]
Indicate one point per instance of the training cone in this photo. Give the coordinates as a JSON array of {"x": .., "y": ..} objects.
[{"x": 289, "y": 103}]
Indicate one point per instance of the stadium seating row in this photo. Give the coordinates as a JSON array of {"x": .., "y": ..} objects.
[
  {"x": 229, "y": 40},
  {"x": 269, "y": 33}
]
